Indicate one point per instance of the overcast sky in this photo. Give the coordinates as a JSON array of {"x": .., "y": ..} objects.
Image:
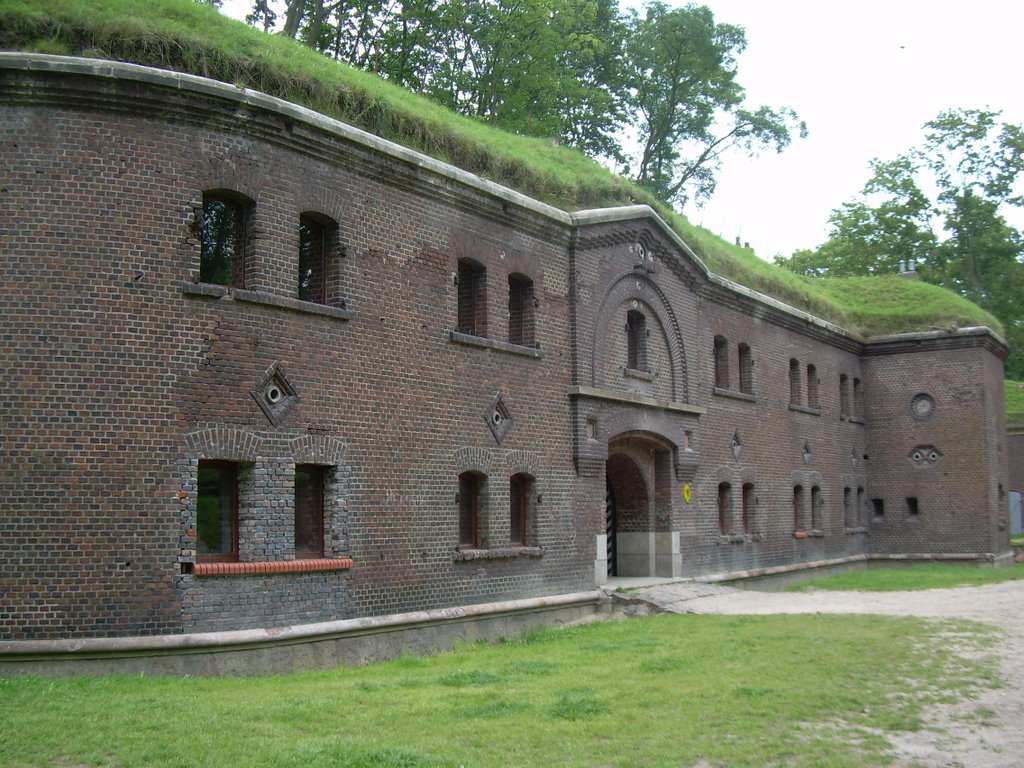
[{"x": 865, "y": 76}]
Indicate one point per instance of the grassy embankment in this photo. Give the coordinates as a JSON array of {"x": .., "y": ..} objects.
[
  {"x": 658, "y": 691},
  {"x": 913, "y": 577},
  {"x": 1014, "y": 403},
  {"x": 187, "y": 36}
]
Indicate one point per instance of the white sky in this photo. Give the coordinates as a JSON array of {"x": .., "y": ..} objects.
[{"x": 865, "y": 76}]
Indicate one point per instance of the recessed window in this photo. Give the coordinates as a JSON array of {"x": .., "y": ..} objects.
[
  {"x": 724, "y": 508},
  {"x": 472, "y": 297},
  {"x": 520, "y": 310},
  {"x": 812, "y": 387},
  {"x": 844, "y": 395},
  {"x": 721, "y": 362},
  {"x": 816, "y": 508},
  {"x": 217, "y": 511},
  {"x": 520, "y": 495},
  {"x": 317, "y": 235},
  {"x": 636, "y": 340},
  {"x": 794, "y": 383},
  {"x": 912, "y": 509},
  {"x": 746, "y": 370},
  {"x": 848, "y": 516},
  {"x": 222, "y": 239},
  {"x": 749, "y": 504},
  {"x": 798, "y": 508},
  {"x": 309, "y": 511},
  {"x": 879, "y": 508},
  {"x": 470, "y": 486}
]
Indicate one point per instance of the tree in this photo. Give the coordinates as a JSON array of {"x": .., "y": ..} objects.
[
  {"x": 959, "y": 234},
  {"x": 686, "y": 104},
  {"x": 579, "y": 72}
]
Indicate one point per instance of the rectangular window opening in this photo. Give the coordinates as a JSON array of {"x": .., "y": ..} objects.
[
  {"x": 520, "y": 311},
  {"x": 314, "y": 246},
  {"x": 222, "y": 240},
  {"x": 878, "y": 506},
  {"x": 469, "y": 509},
  {"x": 309, "y": 511},
  {"x": 472, "y": 299},
  {"x": 217, "y": 511},
  {"x": 520, "y": 493}
]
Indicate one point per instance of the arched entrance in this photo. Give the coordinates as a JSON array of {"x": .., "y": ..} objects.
[{"x": 638, "y": 501}]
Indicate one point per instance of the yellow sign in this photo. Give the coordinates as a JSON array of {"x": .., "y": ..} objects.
[{"x": 687, "y": 493}]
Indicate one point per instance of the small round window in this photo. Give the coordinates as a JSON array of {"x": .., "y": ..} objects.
[{"x": 922, "y": 405}]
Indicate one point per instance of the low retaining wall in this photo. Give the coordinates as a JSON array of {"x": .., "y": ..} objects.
[{"x": 290, "y": 649}]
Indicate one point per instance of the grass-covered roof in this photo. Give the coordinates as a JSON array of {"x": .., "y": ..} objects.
[{"x": 192, "y": 37}]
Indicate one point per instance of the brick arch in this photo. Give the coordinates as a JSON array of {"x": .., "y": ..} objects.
[
  {"x": 473, "y": 459},
  {"x": 522, "y": 462},
  {"x": 323, "y": 200},
  {"x": 639, "y": 287},
  {"x": 228, "y": 173},
  {"x": 223, "y": 443},
  {"x": 317, "y": 449}
]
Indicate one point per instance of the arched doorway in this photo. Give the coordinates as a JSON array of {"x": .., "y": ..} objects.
[
  {"x": 637, "y": 504},
  {"x": 626, "y": 508}
]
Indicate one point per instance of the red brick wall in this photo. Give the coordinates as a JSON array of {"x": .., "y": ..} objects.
[{"x": 123, "y": 373}]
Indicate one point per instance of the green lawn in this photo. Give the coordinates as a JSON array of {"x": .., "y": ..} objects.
[
  {"x": 658, "y": 691},
  {"x": 913, "y": 577}
]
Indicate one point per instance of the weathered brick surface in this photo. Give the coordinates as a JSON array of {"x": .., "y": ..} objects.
[
  {"x": 123, "y": 373},
  {"x": 1015, "y": 449}
]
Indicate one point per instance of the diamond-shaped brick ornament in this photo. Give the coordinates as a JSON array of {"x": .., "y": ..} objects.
[
  {"x": 498, "y": 418},
  {"x": 275, "y": 395}
]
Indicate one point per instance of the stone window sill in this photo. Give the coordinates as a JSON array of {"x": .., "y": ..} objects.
[
  {"x": 277, "y": 566},
  {"x": 636, "y": 373},
  {"x": 739, "y": 538},
  {"x": 857, "y": 531},
  {"x": 804, "y": 409},
  {"x": 469, "y": 340},
  {"x": 498, "y": 553},
  {"x": 734, "y": 394},
  {"x": 815, "y": 533},
  {"x": 266, "y": 299}
]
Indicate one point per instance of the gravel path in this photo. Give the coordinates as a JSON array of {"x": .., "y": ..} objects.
[{"x": 952, "y": 739}]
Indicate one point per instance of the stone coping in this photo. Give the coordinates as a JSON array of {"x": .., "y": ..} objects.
[{"x": 12, "y": 650}]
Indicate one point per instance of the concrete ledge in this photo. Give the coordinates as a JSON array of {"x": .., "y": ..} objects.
[
  {"x": 279, "y": 650},
  {"x": 483, "y": 342},
  {"x": 630, "y": 398}
]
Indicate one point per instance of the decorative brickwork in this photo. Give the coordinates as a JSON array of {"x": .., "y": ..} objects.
[{"x": 382, "y": 348}]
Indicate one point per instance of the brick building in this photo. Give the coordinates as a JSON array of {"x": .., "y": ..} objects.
[{"x": 265, "y": 370}]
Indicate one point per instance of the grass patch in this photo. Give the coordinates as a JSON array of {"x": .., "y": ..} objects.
[
  {"x": 658, "y": 691},
  {"x": 192, "y": 37},
  {"x": 1014, "y": 402},
  {"x": 912, "y": 577}
]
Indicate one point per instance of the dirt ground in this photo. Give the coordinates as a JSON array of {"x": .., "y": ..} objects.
[{"x": 985, "y": 732}]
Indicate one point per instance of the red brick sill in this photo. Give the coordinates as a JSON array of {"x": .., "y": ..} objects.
[{"x": 278, "y": 566}]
